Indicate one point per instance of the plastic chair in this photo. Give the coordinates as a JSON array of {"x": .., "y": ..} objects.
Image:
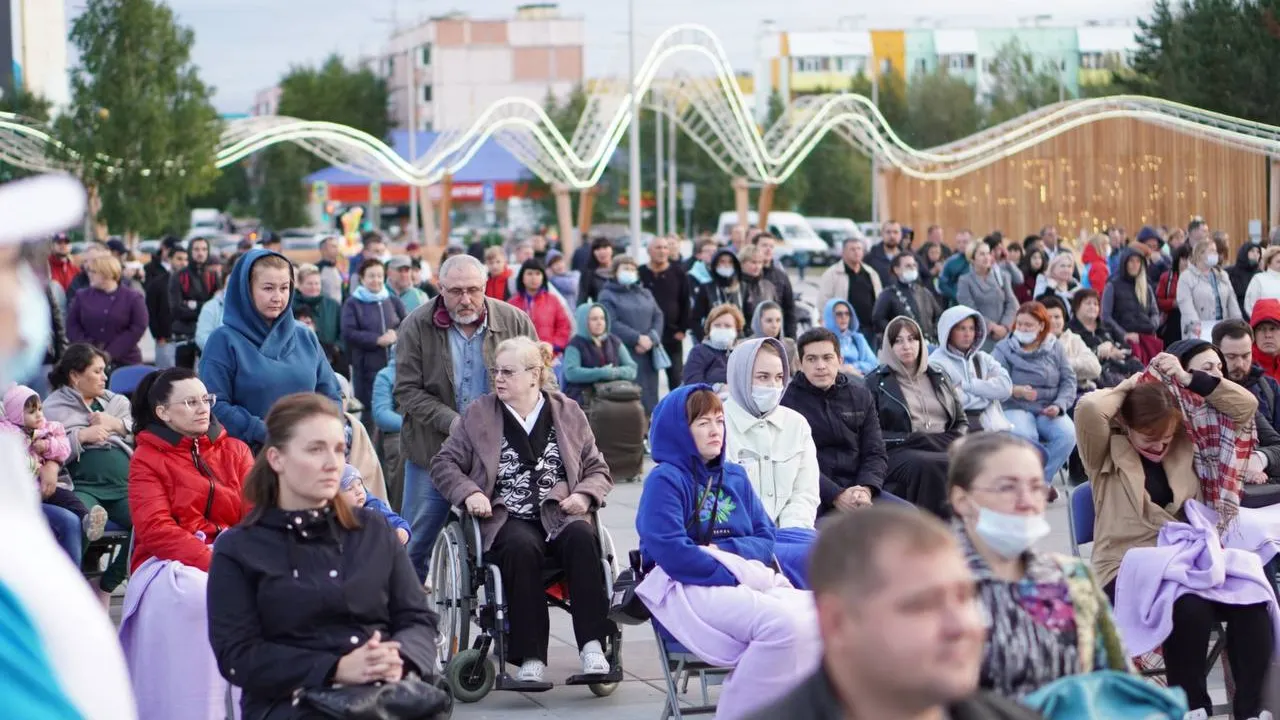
[
  {"x": 1080, "y": 516},
  {"x": 125, "y": 379}
]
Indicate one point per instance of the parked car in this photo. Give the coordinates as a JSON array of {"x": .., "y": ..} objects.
[
  {"x": 794, "y": 232},
  {"x": 835, "y": 231}
]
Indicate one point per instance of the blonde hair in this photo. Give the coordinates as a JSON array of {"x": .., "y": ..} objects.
[
  {"x": 1267, "y": 254},
  {"x": 307, "y": 270},
  {"x": 750, "y": 253},
  {"x": 1099, "y": 241},
  {"x": 721, "y": 310},
  {"x": 494, "y": 252},
  {"x": 106, "y": 265},
  {"x": 1060, "y": 258},
  {"x": 1202, "y": 248},
  {"x": 533, "y": 354}
]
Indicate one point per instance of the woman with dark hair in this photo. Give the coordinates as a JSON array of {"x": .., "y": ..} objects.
[
  {"x": 1034, "y": 262},
  {"x": 1044, "y": 385},
  {"x": 260, "y": 353},
  {"x": 1167, "y": 294},
  {"x": 185, "y": 485},
  {"x": 370, "y": 319},
  {"x": 920, "y": 416},
  {"x": 725, "y": 288},
  {"x": 1152, "y": 448},
  {"x": 99, "y": 425},
  {"x": 1048, "y": 616},
  {"x": 1104, "y": 337},
  {"x": 599, "y": 270},
  {"x": 534, "y": 296},
  {"x": 308, "y": 592}
]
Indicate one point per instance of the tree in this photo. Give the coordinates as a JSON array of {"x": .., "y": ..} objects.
[
  {"x": 790, "y": 194},
  {"x": 231, "y": 192},
  {"x": 1020, "y": 84},
  {"x": 331, "y": 92},
  {"x": 941, "y": 108},
  {"x": 140, "y": 124}
]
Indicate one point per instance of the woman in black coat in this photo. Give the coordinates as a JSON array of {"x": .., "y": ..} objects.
[{"x": 307, "y": 591}]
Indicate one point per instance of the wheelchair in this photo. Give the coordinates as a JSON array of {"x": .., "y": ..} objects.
[{"x": 466, "y": 589}]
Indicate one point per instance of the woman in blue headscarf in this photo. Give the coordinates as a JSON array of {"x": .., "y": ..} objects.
[{"x": 260, "y": 354}]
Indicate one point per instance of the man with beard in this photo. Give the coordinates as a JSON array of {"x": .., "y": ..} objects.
[
  {"x": 443, "y": 356},
  {"x": 881, "y": 256},
  {"x": 62, "y": 269}
]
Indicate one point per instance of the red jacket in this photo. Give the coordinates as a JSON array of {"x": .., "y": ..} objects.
[
  {"x": 172, "y": 497},
  {"x": 1095, "y": 268},
  {"x": 62, "y": 271},
  {"x": 549, "y": 317},
  {"x": 496, "y": 286}
]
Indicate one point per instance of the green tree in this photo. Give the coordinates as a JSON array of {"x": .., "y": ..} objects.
[
  {"x": 231, "y": 192},
  {"x": 331, "y": 92},
  {"x": 1019, "y": 84},
  {"x": 790, "y": 194},
  {"x": 138, "y": 103},
  {"x": 941, "y": 108}
]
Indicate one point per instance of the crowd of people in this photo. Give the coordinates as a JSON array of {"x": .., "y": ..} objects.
[{"x": 862, "y": 489}]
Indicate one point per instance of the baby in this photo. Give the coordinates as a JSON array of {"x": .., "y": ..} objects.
[
  {"x": 352, "y": 489},
  {"x": 47, "y": 449}
]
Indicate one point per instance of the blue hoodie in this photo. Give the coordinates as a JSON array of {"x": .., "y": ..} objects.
[
  {"x": 674, "y": 486},
  {"x": 249, "y": 364},
  {"x": 854, "y": 347}
]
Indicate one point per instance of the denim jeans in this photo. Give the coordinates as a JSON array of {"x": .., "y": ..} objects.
[
  {"x": 427, "y": 512},
  {"x": 1057, "y": 435},
  {"x": 66, "y": 529},
  {"x": 166, "y": 355}
]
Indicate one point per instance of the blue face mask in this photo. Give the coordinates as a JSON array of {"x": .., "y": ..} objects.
[{"x": 34, "y": 331}]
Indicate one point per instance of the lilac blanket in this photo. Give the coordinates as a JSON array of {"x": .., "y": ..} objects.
[{"x": 1191, "y": 558}]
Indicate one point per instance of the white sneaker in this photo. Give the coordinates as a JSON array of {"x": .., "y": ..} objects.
[
  {"x": 593, "y": 660},
  {"x": 95, "y": 523},
  {"x": 1198, "y": 714},
  {"x": 531, "y": 671},
  {"x": 1265, "y": 715}
]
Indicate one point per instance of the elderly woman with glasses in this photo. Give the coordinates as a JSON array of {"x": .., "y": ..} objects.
[{"x": 524, "y": 462}]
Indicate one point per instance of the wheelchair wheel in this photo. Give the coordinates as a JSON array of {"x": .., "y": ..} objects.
[
  {"x": 602, "y": 689},
  {"x": 470, "y": 675},
  {"x": 615, "y": 662},
  {"x": 451, "y": 591}
]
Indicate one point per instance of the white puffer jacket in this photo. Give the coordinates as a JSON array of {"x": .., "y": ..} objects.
[
  {"x": 1263, "y": 285},
  {"x": 781, "y": 460}
]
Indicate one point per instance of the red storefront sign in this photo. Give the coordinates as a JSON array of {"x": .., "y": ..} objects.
[{"x": 399, "y": 194}]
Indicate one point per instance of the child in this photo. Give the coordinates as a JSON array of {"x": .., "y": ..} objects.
[
  {"x": 47, "y": 449},
  {"x": 352, "y": 488}
]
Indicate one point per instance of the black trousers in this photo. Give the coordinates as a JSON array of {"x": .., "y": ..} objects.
[
  {"x": 920, "y": 478},
  {"x": 520, "y": 551},
  {"x": 1186, "y": 650},
  {"x": 67, "y": 500},
  {"x": 675, "y": 373}
]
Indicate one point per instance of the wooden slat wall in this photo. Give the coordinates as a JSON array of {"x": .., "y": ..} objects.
[{"x": 1111, "y": 171}]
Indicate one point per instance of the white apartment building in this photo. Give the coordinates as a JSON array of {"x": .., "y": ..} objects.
[
  {"x": 40, "y": 48},
  {"x": 452, "y": 68}
]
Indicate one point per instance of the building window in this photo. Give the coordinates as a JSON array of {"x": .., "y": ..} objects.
[
  {"x": 426, "y": 93},
  {"x": 957, "y": 61},
  {"x": 809, "y": 64},
  {"x": 922, "y": 66},
  {"x": 1091, "y": 60},
  {"x": 424, "y": 56},
  {"x": 391, "y": 65},
  {"x": 851, "y": 64}
]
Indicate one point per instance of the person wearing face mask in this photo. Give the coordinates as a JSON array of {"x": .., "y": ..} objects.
[
  {"x": 637, "y": 320},
  {"x": 48, "y": 614},
  {"x": 1044, "y": 385},
  {"x": 1140, "y": 449},
  {"x": 600, "y": 375},
  {"x": 708, "y": 361},
  {"x": 260, "y": 353},
  {"x": 920, "y": 416},
  {"x": 904, "y": 296},
  {"x": 1205, "y": 295},
  {"x": 725, "y": 288},
  {"x": 1048, "y": 617},
  {"x": 775, "y": 446}
]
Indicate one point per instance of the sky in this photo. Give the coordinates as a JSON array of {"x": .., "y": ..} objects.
[{"x": 243, "y": 46}]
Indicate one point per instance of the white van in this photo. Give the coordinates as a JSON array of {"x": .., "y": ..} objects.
[
  {"x": 835, "y": 231},
  {"x": 792, "y": 229}
]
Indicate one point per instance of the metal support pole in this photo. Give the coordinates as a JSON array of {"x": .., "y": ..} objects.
[
  {"x": 875, "y": 161},
  {"x": 410, "y": 89},
  {"x": 672, "y": 175},
  {"x": 633, "y": 133},
  {"x": 659, "y": 175}
]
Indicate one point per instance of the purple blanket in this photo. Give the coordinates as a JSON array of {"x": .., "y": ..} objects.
[{"x": 1190, "y": 557}]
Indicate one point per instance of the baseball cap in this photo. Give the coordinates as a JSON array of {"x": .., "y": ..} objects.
[
  {"x": 39, "y": 206},
  {"x": 399, "y": 261},
  {"x": 117, "y": 247}
]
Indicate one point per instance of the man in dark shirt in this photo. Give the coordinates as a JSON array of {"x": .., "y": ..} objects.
[
  {"x": 159, "y": 314},
  {"x": 774, "y": 273},
  {"x": 881, "y": 256},
  {"x": 671, "y": 288},
  {"x": 902, "y": 630},
  {"x": 855, "y": 282}
]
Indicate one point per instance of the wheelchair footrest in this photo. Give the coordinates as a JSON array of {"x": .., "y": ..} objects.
[
  {"x": 507, "y": 683},
  {"x": 613, "y": 676}
]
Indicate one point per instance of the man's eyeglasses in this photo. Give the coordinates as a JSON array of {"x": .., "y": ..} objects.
[
  {"x": 507, "y": 373},
  {"x": 194, "y": 403},
  {"x": 459, "y": 293}
]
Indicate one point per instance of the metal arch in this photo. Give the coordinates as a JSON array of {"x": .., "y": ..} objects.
[{"x": 711, "y": 110}]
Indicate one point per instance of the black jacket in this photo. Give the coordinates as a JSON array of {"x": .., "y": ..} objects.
[
  {"x": 1242, "y": 272},
  {"x": 895, "y": 418},
  {"x": 775, "y": 274},
  {"x": 846, "y": 431},
  {"x": 720, "y": 291},
  {"x": 189, "y": 290},
  {"x": 815, "y": 699},
  {"x": 1121, "y": 297},
  {"x": 156, "y": 291},
  {"x": 288, "y": 599},
  {"x": 673, "y": 292},
  {"x": 880, "y": 261},
  {"x": 912, "y": 300},
  {"x": 58, "y": 331}
]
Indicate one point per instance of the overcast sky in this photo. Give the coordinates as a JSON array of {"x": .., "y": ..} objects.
[{"x": 243, "y": 46}]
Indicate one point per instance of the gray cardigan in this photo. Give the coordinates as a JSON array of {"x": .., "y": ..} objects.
[
  {"x": 991, "y": 296},
  {"x": 65, "y": 405}
]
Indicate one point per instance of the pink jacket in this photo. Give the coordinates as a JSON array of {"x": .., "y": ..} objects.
[{"x": 15, "y": 399}]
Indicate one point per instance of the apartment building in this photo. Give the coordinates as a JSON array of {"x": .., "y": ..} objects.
[
  {"x": 793, "y": 62},
  {"x": 34, "y": 33},
  {"x": 448, "y": 70}
]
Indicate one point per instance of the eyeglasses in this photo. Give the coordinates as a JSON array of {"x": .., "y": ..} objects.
[
  {"x": 506, "y": 373},
  {"x": 841, "y": 313},
  {"x": 459, "y": 293},
  {"x": 194, "y": 403}
]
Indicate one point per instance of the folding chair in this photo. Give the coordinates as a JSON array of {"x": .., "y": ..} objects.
[
  {"x": 124, "y": 380},
  {"x": 678, "y": 666},
  {"x": 1080, "y": 516}
]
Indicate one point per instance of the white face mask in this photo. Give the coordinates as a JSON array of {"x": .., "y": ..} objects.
[
  {"x": 721, "y": 338},
  {"x": 1211, "y": 260},
  {"x": 910, "y": 276},
  {"x": 725, "y": 271},
  {"x": 628, "y": 277},
  {"x": 1010, "y": 535},
  {"x": 1025, "y": 337},
  {"x": 766, "y": 398}
]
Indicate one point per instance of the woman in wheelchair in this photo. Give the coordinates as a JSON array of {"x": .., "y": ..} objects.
[
  {"x": 524, "y": 462},
  {"x": 707, "y": 545},
  {"x": 1047, "y": 617},
  {"x": 1151, "y": 445}
]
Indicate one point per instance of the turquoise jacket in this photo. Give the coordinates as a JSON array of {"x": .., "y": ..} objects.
[{"x": 854, "y": 348}]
